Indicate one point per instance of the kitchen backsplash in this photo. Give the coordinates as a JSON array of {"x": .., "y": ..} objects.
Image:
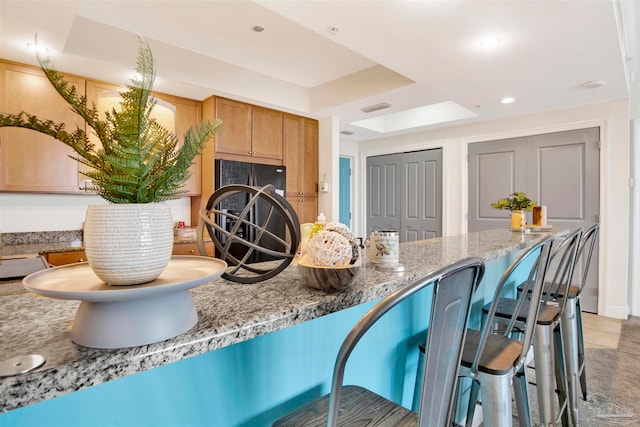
[{"x": 31, "y": 237}]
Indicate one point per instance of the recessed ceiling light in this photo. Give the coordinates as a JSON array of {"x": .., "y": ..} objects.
[
  {"x": 334, "y": 30},
  {"x": 490, "y": 42},
  {"x": 258, "y": 29},
  {"x": 38, "y": 48},
  {"x": 507, "y": 100}
]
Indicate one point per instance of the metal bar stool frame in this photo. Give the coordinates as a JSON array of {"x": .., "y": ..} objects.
[
  {"x": 454, "y": 286},
  {"x": 548, "y": 345},
  {"x": 495, "y": 361},
  {"x": 571, "y": 324}
]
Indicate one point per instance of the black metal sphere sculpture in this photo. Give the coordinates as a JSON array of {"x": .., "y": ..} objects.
[{"x": 238, "y": 218}]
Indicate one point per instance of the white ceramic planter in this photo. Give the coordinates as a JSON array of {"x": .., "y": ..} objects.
[{"x": 128, "y": 244}]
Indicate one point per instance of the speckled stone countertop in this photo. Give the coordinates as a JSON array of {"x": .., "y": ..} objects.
[
  {"x": 228, "y": 313},
  {"x": 39, "y": 243},
  {"x": 34, "y": 243}
]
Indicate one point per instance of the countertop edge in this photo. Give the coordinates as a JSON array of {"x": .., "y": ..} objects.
[{"x": 93, "y": 366}]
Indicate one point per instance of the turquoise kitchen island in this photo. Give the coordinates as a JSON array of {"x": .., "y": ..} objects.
[{"x": 257, "y": 351}]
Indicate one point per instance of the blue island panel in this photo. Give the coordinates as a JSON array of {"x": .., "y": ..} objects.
[{"x": 257, "y": 381}]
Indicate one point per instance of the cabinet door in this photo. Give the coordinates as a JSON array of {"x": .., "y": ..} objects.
[
  {"x": 301, "y": 155},
  {"x": 293, "y": 143},
  {"x": 97, "y": 95},
  {"x": 266, "y": 139},
  {"x": 308, "y": 209},
  {"x": 305, "y": 207},
  {"x": 309, "y": 159},
  {"x": 31, "y": 161},
  {"x": 64, "y": 258},
  {"x": 192, "y": 249},
  {"x": 234, "y": 136},
  {"x": 188, "y": 113}
]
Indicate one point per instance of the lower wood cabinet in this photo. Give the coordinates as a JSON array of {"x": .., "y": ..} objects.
[
  {"x": 63, "y": 258},
  {"x": 192, "y": 249},
  {"x": 305, "y": 207}
]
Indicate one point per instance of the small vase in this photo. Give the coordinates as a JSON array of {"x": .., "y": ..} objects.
[
  {"x": 129, "y": 243},
  {"x": 518, "y": 220}
]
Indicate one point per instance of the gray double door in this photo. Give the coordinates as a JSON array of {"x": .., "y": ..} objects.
[
  {"x": 404, "y": 193},
  {"x": 560, "y": 170}
]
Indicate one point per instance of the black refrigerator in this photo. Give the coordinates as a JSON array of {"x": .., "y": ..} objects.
[{"x": 228, "y": 172}]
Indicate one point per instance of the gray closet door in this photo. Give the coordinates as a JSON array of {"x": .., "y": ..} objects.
[
  {"x": 404, "y": 193},
  {"x": 560, "y": 170},
  {"x": 383, "y": 192},
  {"x": 496, "y": 169},
  {"x": 422, "y": 197}
]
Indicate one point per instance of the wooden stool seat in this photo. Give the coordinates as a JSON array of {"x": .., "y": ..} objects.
[
  {"x": 499, "y": 355},
  {"x": 547, "y": 315},
  {"x": 358, "y": 406}
]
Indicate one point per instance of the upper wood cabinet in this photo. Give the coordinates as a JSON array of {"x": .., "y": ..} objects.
[
  {"x": 31, "y": 161},
  {"x": 301, "y": 161},
  {"x": 187, "y": 113},
  {"x": 301, "y": 155},
  {"x": 248, "y": 130}
]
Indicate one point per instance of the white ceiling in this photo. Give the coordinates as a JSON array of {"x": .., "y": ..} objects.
[{"x": 406, "y": 53}]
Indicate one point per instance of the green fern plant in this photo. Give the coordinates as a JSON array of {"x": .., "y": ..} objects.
[{"x": 139, "y": 161}]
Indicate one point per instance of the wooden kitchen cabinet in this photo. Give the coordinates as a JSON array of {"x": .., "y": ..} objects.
[
  {"x": 248, "y": 130},
  {"x": 306, "y": 208},
  {"x": 70, "y": 257},
  {"x": 187, "y": 113},
  {"x": 301, "y": 161},
  {"x": 192, "y": 248},
  {"x": 63, "y": 258},
  {"x": 266, "y": 133},
  {"x": 31, "y": 161}
]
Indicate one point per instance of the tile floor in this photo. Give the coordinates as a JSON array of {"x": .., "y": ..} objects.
[{"x": 600, "y": 332}]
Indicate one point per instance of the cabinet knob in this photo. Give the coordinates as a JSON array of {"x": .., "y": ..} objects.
[
  {"x": 254, "y": 153},
  {"x": 192, "y": 251},
  {"x": 81, "y": 260},
  {"x": 248, "y": 152}
]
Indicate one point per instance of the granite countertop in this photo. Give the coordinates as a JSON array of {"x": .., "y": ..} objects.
[
  {"x": 32, "y": 249},
  {"x": 228, "y": 313}
]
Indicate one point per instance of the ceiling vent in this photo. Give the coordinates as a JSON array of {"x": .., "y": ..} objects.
[
  {"x": 347, "y": 132},
  {"x": 377, "y": 107}
]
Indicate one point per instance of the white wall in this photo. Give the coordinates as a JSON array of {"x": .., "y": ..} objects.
[
  {"x": 613, "y": 118},
  {"x": 22, "y": 212},
  {"x": 329, "y": 166}
]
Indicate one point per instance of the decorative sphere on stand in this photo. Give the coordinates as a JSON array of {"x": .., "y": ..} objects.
[{"x": 237, "y": 218}]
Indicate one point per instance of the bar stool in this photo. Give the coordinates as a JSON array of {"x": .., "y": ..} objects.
[
  {"x": 453, "y": 290},
  {"x": 571, "y": 323},
  {"x": 548, "y": 353},
  {"x": 496, "y": 360}
]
